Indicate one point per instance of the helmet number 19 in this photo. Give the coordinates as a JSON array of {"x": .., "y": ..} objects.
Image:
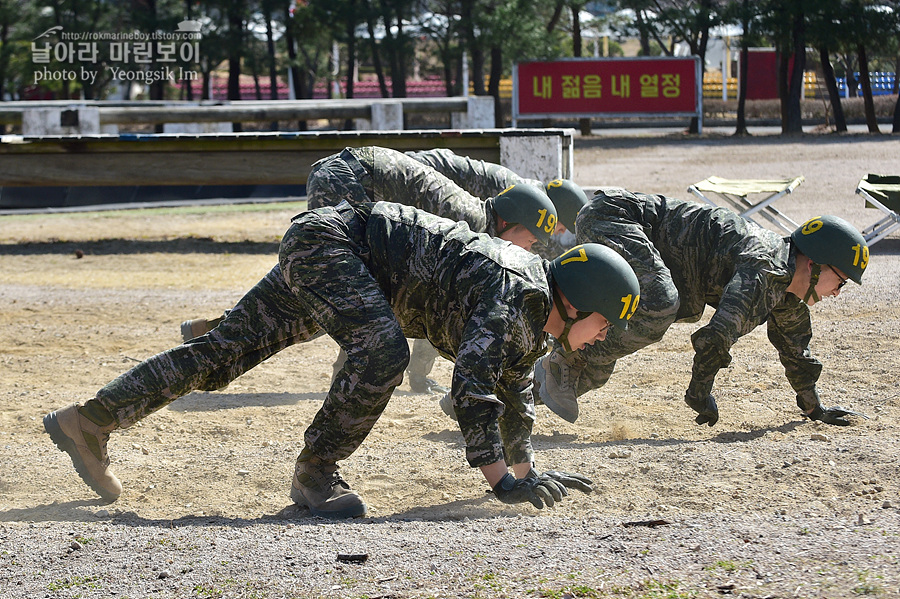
[
  {"x": 630, "y": 304},
  {"x": 861, "y": 258},
  {"x": 547, "y": 222}
]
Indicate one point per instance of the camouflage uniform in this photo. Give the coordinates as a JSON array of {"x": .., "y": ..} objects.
[
  {"x": 396, "y": 178},
  {"x": 687, "y": 256},
  {"x": 372, "y": 173},
  {"x": 370, "y": 276},
  {"x": 481, "y": 179}
]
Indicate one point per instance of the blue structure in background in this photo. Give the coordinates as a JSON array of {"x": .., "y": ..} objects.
[{"x": 882, "y": 84}]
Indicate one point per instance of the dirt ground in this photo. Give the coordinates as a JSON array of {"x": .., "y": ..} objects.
[{"x": 765, "y": 504}]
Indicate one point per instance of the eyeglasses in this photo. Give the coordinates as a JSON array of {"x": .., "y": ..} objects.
[{"x": 843, "y": 280}]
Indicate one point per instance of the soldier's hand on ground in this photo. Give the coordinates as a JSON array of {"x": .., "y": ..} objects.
[
  {"x": 834, "y": 416},
  {"x": 571, "y": 480},
  {"x": 535, "y": 488},
  {"x": 706, "y": 408}
]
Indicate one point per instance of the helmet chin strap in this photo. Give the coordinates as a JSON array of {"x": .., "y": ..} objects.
[
  {"x": 813, "y": 281},
  {"x": 564, "y": 338}
]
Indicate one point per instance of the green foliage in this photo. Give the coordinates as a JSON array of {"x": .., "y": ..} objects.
[
  {"x": 88, "y": 582},
  {"x": 865, "y": 587},
  {"x": 508, "y": 30},
  {"x": 729, "y": 565}
]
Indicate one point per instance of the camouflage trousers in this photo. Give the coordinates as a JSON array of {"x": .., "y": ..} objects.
[
  {"x": 320, "y": 272},
  {"x": 421, "y": 358},
  {"x": 338, "y": 178},
  {"x": 615, "y": 221},
  {"x": 341, "y": 177}
]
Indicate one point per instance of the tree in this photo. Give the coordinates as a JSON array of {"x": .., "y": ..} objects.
[
  {"x": 267, "y": 9},
  {"x": 440, "y": 24},
  {"x": 690, "y": 22},
  {"x": 782, "y": 21},
  {"x": 825, "y": 34},
  {"x": 236, "y": 18},
  {"x": 794, "y": 121},
  {"x": 16, "y": 18},
  {"x": 867, "y": 21},
  {"x": 740, "y": 11}
]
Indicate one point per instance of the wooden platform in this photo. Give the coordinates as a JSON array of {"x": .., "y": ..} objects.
[{"x": 243, "y": 158}]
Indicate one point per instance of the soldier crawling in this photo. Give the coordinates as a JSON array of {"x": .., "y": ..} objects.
[
  {"x": 522, "y": 217},
  {"x": 369, "y": 276},
  {"x": 687, "y": 256}
]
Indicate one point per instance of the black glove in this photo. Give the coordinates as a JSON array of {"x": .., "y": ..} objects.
[
  {"x": 833, "y": 415},
  {"x": 536, "y": 488},
  {"x": 706, "y": 408},
  {"x": 571, "y": 480}
]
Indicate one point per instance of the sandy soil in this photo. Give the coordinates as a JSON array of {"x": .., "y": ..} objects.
[{"x": 764, "y": 504}]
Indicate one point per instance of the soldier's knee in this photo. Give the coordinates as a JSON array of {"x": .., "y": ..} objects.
[{"x": 390, "y": 358}]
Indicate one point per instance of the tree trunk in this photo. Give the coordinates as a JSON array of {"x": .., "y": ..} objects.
[
  {"x": 474, "y": 49},
  {"x": 391, "y": 46},
  {"x": 706, "y": 7},
  {"x": 188, "y": 84},
  {"x": 866, "y": 83},
  {"x": 447, "y": 71},
  {"x": 895, "y": 123},
  {"x": 741, "y": 128},
  {"x": 896, "y": 87},
  {"x": 557, "y": 14},
  {"x": 351, "y": 51},
  {"x": 852, "y": 91},
  {"x": 257, "y": 88},
  {"x": 496, "y": 74},
  {"x": 784, "y": 64},
  {"x": 4, "y": 57},
  {"x": 376, "y": 55},
  {"x": 840, "y": 122},
  {"x": 794, "y": 121},
  {"x": 584, "y": 125},
  {"x": 235, "y": 38},
  {"x": 270, "y": 47},
  {"x": 298, "y": 81},
  {"x": 398, "y": 78},
  {"x": 644, "y": 36}
]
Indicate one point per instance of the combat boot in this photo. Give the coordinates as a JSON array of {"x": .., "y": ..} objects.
[
  {"x": 85, "y": 442},
  {"x": 318, "y": 486},
  {"x": 419, "y": 383},
  {"x": 191, "y": 329},
  {"x": 446, "y": 404},
  {"x": 554, "y": 384}
]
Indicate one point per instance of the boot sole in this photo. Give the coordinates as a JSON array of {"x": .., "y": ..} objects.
[
  {"x": 186, "y": 331},
  {"x": 568, "y": 411},
  {"x": 64, "y": 443},
  {"x": 351, "y": 512}
]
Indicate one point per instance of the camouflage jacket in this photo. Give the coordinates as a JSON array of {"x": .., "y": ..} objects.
[
  {"x": 395, "y": 177},
  {"x": 485, "y": 180},
  {"x": 719, "y": 259},
  {"x": 481, "y": 302},
  {"x": 481, "y": 179}
]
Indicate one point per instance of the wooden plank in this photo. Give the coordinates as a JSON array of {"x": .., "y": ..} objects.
[
  {"x": 141, "y": 113},
  {"x": 230, "y": 159}
]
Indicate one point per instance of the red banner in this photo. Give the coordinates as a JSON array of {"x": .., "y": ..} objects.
[{"x": 607, "y": 86}]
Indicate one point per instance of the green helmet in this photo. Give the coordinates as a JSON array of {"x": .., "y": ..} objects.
[
  {"x": 523, "y": 204},
  {"x": 833, "y": 241},
  {"x": 568, "y": 199},
  {"x": 594, "y": 278}
]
